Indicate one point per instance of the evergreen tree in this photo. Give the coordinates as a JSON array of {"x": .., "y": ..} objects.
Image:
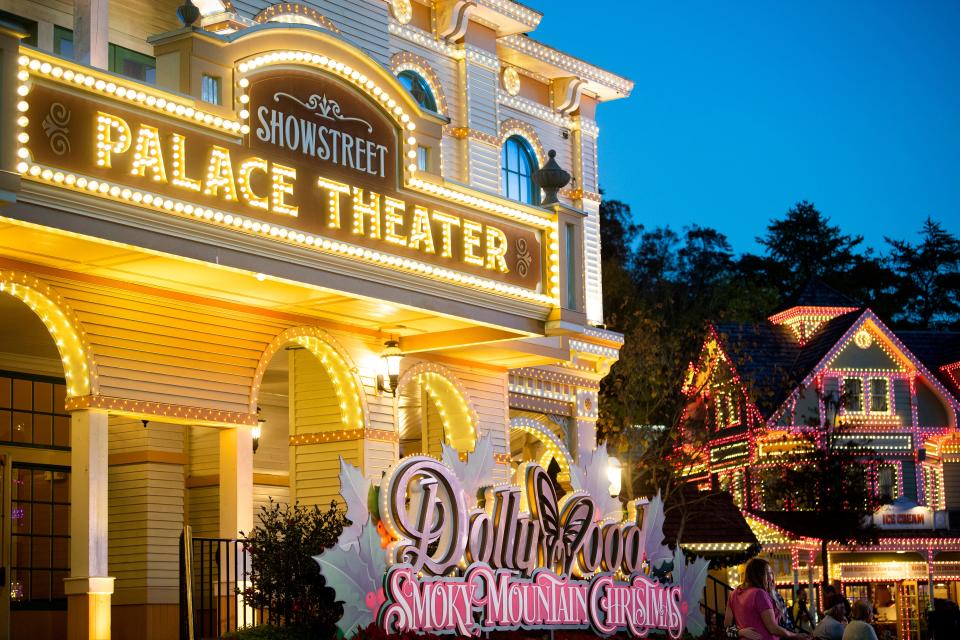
[{"x": 929, "y": 278}]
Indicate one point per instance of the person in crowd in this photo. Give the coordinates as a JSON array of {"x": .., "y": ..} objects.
[
  {"x": 834, "y": 619},
  {"x": 752, "y": 608},
  {"x": 800, "y": 612},
  {"x": 861, "y": 613}
]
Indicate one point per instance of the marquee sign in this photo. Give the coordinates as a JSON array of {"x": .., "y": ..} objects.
[
  {"x": 319, "y": 165},
  {"x": 439, "y": 548}
]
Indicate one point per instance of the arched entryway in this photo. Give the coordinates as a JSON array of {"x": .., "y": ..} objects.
[
  {"x": 44, "y": 359},
  {"x": 434, "y": 408},
  {"x": 314, "y": 409},
  {"x": 533, "y": 440}
]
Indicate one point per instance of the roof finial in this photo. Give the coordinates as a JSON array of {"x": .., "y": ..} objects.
[
  {"x": 188, "y": 13},
  {"x": 551, "y": 178}
]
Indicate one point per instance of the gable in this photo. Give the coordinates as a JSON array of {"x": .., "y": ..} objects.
[{"x": 869, "y": 350}]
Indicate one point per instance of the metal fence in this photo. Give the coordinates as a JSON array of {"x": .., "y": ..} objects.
[{"x": 213, "y": 572}]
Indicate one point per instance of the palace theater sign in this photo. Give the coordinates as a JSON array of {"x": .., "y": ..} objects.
[{"x": 318, "y": 165}]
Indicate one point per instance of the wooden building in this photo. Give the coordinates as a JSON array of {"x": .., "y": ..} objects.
[
  {"x": 235, "y": 252},
  {"x": 826, "y": 369}
]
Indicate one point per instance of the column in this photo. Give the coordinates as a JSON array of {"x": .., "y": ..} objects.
[
  {"x": 815, "y": 594},
  {"x": 930, "y": 554},
  {"x": 236, "y": 482},
  {"x": 88, "y": 588},
  {"x": 91, "y": 34}
]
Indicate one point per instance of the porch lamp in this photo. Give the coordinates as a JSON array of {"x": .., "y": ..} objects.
[
  {"x": 257, "y": 430},
  {"x": 614, "y": 475},
  {"x": 390, "y": 355}
]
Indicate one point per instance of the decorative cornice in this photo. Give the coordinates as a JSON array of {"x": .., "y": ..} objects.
[
  {"x": 295, "y": 9},
  {"x": 567, "y": 63},
  {"x": 169, "y": 412},
  {"x": 343, "y": 435}
]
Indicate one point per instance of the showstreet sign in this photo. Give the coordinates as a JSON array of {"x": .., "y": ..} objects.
[{"x": 459, "y": 555}]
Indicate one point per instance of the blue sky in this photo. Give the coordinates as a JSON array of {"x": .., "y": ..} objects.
[{"x": 740, "y": 109}]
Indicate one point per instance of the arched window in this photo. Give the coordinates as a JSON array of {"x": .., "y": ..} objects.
[
  {"x": 418, "y": 88},
  {"x": 518, "y": 164}
]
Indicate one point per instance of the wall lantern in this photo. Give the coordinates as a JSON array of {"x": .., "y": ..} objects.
[
  {"x": 614, "y": 475},
  {"x": 257, "y": 430},
  {"x": 391, "y": 356}
]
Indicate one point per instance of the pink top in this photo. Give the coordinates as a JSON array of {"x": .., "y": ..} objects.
[{"x": 747, "y": 605}]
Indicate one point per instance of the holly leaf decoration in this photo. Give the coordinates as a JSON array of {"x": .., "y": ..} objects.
[
  {"x": 652, "y": 534},
  {"x": 355, "y": 491},
  {"x": 476, "y": 472},
  {"x": 356, "y": 575},
  {"x": 691, "y": 578},
  {"x": 590, "y": 475}
]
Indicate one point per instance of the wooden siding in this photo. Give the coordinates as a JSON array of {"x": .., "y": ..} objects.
[
  {"x": 315, "y": 408},
  {"x": 161, "y": 350},
  {"x": 951, "y": 484},
  {"x": 145, "y": 514},
  {"x": 361, "y": 22},
  {"x": 931, "y": 411}
]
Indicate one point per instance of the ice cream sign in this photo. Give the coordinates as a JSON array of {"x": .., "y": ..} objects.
[{"x": 439, "y": 548}]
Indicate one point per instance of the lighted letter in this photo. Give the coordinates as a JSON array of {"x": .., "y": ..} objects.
[
  {"x": 334, "y": 189},
  {"x": 471, "y": 241},
  {"x": 283, "y": 188},
  {"x": 247, "y": 167},
  {"x": 393, "y": 221},
  {"x": 179, "y": 165},
  {"x": 220, "y": 174},
  {"x": 496, "y": 249},
  {"x": 147, "y": 154},
  {"x": 106, "y": 143},
  {"x": 420, "y": 230},
  {"x": 370, "y": 208},
  {"x": 446, "y": 221}
]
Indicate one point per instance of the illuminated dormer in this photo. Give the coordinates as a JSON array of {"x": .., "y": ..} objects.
[{"x": 816, "y": 305}]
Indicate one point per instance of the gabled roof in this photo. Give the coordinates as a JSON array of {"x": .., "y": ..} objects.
[
  {"x": 936, "y": 349},
  {"x": 770, "y": 361}
]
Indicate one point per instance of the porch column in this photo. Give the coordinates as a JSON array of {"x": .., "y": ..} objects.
[
  {"x": 88, "y": 588},
  {"x": 930, "y": 554},
  {"x": 91, "y": 34},
  {"x": 814, "y": 592},
  {"x": 236, "y": 482}
]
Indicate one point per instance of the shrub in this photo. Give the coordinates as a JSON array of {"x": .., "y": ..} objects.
[{"x": 284, "y": 577}]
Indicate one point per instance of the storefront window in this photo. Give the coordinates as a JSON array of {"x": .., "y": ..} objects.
[
  {"x": 39, "y": 537},
  {"x": 32, "y": 411},
  {"x": 132, "y": 64}
]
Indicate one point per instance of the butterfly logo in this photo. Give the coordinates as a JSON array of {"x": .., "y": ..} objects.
[{"x": 563, "y": 527}]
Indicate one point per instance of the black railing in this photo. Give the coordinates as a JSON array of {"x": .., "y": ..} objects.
[
  {"x": 212, "y": 571},
  {"x": 715, "y": 593}
]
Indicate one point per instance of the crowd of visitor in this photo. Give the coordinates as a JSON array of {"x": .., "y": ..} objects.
[{"x": 756, "y": 611}]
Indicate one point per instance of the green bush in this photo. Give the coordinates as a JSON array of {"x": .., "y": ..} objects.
[
  {"x": 270, "y": 632},
  {"x": 284, "y": 577}
]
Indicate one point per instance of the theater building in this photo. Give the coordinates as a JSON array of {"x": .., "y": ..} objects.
[
  {"x": 235, "y": 252},
  {"x": 826, "y": 367}
]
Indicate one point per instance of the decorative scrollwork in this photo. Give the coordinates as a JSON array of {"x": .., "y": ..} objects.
[
  {"x": 323, "y": 107},
  {"x": 55, "y": 126},
  {"x": 523, "y": 257}
]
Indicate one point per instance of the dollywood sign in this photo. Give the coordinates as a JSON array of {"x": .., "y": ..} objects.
[{"x": 439, "y": 548}]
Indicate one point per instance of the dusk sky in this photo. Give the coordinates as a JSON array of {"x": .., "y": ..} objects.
[{"x": 741, "y": 109}]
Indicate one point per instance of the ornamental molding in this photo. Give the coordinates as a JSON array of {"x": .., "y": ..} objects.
[
  {"x": 409, "y": 61},
  {"x": 511, "y": 127}
]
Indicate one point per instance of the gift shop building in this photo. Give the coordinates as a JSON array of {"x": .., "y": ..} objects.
[{"x": 235, "y": 252}]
